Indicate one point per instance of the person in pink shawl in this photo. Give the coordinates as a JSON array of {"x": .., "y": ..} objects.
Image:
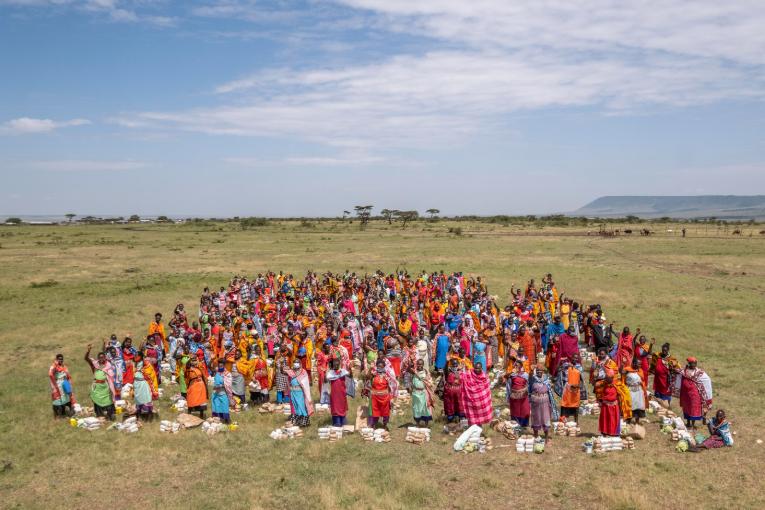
[
  {"x": 356, "y": 336},
  {"x": 475, "y": 396},
  {"x": 301, "y": 402}
]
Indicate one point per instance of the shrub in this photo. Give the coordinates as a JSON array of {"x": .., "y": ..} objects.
[{"x": 252, "y": 222}]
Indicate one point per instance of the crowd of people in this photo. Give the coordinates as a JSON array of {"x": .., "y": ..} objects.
[{"x": 442, "y": 337}]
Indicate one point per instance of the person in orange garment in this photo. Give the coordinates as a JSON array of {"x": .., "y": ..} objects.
[
  {"x": 570, "y": 387},
  {"x": 157, "y": 328},
  {"x": 528, "y": 343},
  {"x": 196, "y": 387}
]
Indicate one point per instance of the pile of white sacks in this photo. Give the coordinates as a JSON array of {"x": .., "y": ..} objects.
[
  {"x": 471, "y": 441},
  {"x": 129, "y": 425},
  {"x": 89, "y": 423},
  {"x": 286, "y": 433},
  {"x": 172, "y": 427},
  {"x": 417, "y": 435},
  {"x": 569, "y": 428},
  {"x": 212, "y": 426},
  {"x": 331, "y": 433},
  {"x": 375, "y": 435},
  {"x": 528, "y": 444},
  {"x": 608, "y": 444},
  {"x": 590, "y": 408}
]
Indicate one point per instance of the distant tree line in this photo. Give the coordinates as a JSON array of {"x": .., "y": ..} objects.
[{"x": 364, "y": 215}]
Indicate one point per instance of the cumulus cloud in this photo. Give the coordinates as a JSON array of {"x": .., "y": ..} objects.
[
  {"x": 27, "y": 125},
  {"x": 483, "y": 61},
  {"x": 444, "y": 96}
]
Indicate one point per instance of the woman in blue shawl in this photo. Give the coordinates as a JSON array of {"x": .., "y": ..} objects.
[{"x": 220, "y": 405}]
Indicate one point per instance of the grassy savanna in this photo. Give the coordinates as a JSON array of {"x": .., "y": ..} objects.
[{"x": 64, "y": 287}]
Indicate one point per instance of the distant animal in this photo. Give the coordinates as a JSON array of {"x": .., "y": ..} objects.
[
  {"x": 762, "y": 232},
  {"x": 627, "y": 231},
  {"x": 736, "y": 232},
  {"x": 645, "y": 232}
]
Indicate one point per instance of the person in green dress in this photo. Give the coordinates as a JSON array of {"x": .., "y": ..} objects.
[
  {"x": 422, "y": 394},
  {"x": 182, "y": 360},
  {"x": 102, "y": 391}
]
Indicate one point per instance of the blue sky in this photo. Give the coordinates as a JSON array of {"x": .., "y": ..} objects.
[{"x": 291, "y": 108}]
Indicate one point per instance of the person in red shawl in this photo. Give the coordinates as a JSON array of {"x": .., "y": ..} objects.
[
  {"x": 568, "y": 344},
  {"x": 322, "y": 365},
  {"x": 664, "y": 369},
  {"x": 382, "y": 388},
  {"x": 450, "y": 389},
  {"x": 337, "y": 350},
  {"x": 517, "y": 387},
  {"x": 338, "y": 401},
  {"x": 346, "y": 341},
  {"x": 394, "y": 354},
  {"x": 625, "y": 350},
  {"x": 128, "y": 354},
  {"x": 694, "y": 387},
  {"x": 643, "y": 354},
  {"x": 553, "y": 357},
  {"x": 609, "y": 422},
  {"x": 259, "y": 375},
  {"x": 476, "y": 396}
]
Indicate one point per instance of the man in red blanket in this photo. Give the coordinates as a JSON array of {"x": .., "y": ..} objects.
[{"x": 476, "y": 396}]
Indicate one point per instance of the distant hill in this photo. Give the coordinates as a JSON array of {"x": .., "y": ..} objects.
[{"x": 729, "y": 207}]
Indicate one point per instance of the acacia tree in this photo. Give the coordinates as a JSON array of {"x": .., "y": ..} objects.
[
  {"x": 388, "y": 214},
  {"x": 433, "y": 213},
  {"x": 345, "y": 214},
  {"x": 363, "y": 213},
  {"x": 134, "y": 218},
  {"x": 70, "y": 216},
  {"x": 406, "y": 217}
]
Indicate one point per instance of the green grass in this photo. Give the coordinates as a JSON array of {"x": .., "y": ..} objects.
[{"x": 64, "y": 287}]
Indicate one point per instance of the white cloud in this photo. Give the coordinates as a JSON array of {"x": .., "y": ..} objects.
[
  {"x": 704, "y": 28},
  {"x": 441, "y": 97},
  {"x": 84, "y": 165},
  {"x": 485, "y": 60},
  {"x": 27, "y": 125},
  {"x": 119, "y": 11}
]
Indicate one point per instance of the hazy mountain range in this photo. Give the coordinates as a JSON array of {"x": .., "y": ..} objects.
[{"x": 729, "y": 207}]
